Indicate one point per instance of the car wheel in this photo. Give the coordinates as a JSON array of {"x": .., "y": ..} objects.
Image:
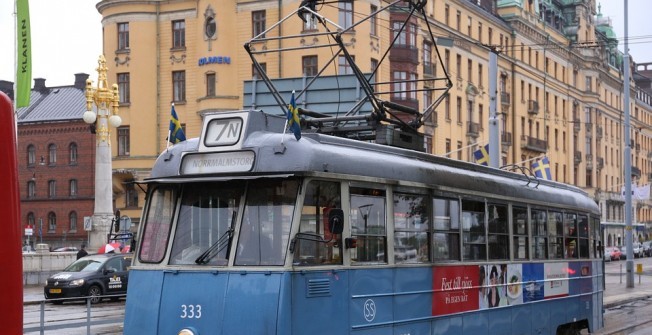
[{"x": 95, "y": 293}]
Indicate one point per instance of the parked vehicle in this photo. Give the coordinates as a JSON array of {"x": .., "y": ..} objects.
[
  {"x": 607, "y": 254},
  {"x": 636, "y": 251},
  {"x": 614, "y": 253},
  {"x": 647, "y": 248},
  {"x": 91, "y": 276},
  {"x": 63, "y": 249}
]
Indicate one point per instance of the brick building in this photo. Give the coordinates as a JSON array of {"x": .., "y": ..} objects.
[{"x": 56, "y": 163}]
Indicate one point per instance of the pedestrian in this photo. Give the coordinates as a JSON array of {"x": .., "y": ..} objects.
[{"x": 82, "y": 252}]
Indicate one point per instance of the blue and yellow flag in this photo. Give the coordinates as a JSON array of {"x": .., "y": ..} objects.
[
  {"x": 176, "y": 132},
  {"x": 24, "y": 56},
  {"x": 294, "y": 123},
  {"x": 482, "y": 155},
  {"x": 541, "y": 169}
]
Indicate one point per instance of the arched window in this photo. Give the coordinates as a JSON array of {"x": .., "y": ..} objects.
[
  {"x": 72, "y": 150},
  {"x": 73, "y": 187},
  {"x": 52, "y": 222},
  {"x": 73, "y": 220},
  {"x": 31, "y": 155},
  {"x": 30, "y": 219},
  {"x": 52, "y": 154},
  {"x": 31, "y": 189}
]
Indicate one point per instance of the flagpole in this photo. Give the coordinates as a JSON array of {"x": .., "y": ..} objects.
[{"x": 167, "y": 145}]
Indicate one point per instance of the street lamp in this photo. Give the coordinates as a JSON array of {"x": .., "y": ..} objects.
[{"x": 106, "y": 113}]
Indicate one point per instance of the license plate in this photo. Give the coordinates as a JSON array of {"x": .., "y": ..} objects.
[{"x": 55, "y": 290}]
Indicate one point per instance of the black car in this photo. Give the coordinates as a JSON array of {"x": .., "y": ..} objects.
[{"x": 93, "y": 275}]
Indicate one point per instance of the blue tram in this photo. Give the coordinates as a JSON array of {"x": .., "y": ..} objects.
[{"x": 249, "y": 231}]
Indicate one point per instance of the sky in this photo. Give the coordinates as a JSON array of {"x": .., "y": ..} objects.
[{"x": 67, "y": 36}]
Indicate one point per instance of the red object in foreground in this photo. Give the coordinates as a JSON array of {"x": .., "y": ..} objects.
[
  {"x": 113, "y": 246},
  {"x": 11, "y": 260}
]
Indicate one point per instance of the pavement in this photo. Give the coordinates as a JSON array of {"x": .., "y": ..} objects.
[{"x": 615, "y": 293}]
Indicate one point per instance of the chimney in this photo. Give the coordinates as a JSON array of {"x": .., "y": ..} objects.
[
  {"x": 80, "y": 80},
  {"x": 8, "y": 88},
  {"x": 39, "y": 85}
]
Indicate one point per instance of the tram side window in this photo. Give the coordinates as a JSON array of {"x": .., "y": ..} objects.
[
  {"x": 498, "y": 232},
  {"x": 539, "y": 234},
  {"x": 556, "y": 231},
  {"x": 473, "y": 228},
  {"x": 583, "y": 231},
  {"x": 368, "y": 225},
  {"x": 520, "y": 243},
  {"x": 411, "y": 228},
  {"x": 446, "y": 236},
  {"x": 206, "y": 217},
  {"x": 156, "y": 233},
  {"x": 266, "y": 221},
  {"x": 570, "y": 235},
  {"x": 598, "y": 247},
  {"x": 321, "y": 197}
]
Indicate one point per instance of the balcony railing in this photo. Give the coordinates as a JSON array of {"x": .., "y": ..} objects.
[
  {"x": 429, "y": 69},
  {"x": 598, "y": 132},
  {"x": 534, "y": 144},
  {"x": 589, "y": 161},
  {"x": 578, "y": 157},
  {"x": 577, "y": 125},
  {"x": 636, "y": 172},
  {"x": 532, "y": 107},
  {"x": 505, "y": 99},
  {"x": 599, "y": 163},
  {"x": 506, "y": 138},
  {"x": 472, "y": 129},
  {"x": 404, "y": 53}
]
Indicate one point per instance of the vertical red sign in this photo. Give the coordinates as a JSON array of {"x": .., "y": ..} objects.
[
  {"x": 11, "y": 260},
  {"x": 456, "y": 289}
]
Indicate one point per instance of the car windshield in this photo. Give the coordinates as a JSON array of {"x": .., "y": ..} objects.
[{"x": 85, "y": 264}]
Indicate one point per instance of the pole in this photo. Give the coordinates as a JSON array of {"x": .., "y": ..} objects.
[
  {"x": 629, "y": 265},
  {"x": 494, "y": 139}
]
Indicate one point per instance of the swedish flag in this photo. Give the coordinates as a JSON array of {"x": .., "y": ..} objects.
[
  {"x": 176, "y": 132},
  {"x": 541, "y": 169},
  {"x": 294, "y": 123},
  {"x": 482, "y": 155}
]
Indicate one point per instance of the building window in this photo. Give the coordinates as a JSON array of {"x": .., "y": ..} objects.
[
  {"x": 31, "y": 189},
  {"x": 345, "y": 14},
  {"x": 131, "y": 196},
  {"x": 210, "y": 84},
  {"x": 179, "y": 86},
  {"x": 123, "y": 141},
  {"x": 458, "y": 24},
  {"x": 73, "y": 187},
  {"x": 427, "y": 59},
  {"x": 72, "y": 150},
  {"x": 447, "y": 12},
  {"x": 52, "y": 222},
  {"x": 309, "y": 66},
  {"x": 407, "y": 37},
  {"x": 31, "y": 155},
  {"x": 343, "y": 66},
  {"x": 447, "y": 109},
  {"x": 459, "y": 110},
  {"x": 73, "y": 221},
  {"x": 411, "y": 221},
  {"x": 123, "y": 36},
  {"x": 52, "y": 188},
  {"x": 210, "y": 27},
  {"x": 399, "y": 89},
  {"x": 258, "y": 23},
  {"x": 123, "y": 88},
  {"x": 373, "y": 21},
  {"x": 30, "y": 219},
  {"x": 52, "y": 154},
  {"x": 254, "y": 71},
  {"x": 179, "y": 34}
]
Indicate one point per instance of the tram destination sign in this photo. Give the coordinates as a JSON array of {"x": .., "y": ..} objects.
[{"x": 218, "y": 162}]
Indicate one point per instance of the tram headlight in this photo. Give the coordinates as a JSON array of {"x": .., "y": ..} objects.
[{"x": 188, "y": 331}]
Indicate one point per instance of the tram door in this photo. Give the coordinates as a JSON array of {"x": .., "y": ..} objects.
[{"x": 319, "y": 295}]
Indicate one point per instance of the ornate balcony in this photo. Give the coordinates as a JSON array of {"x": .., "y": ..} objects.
[
  {"x": 472, "y": 129},
  {"x": 578, "y": 157},
  {"x": 533, "y": 144},
  {"x": 505, "y": 99},
  {"x": 404, "y": 54},
  {"x": 532, "y": 107}
]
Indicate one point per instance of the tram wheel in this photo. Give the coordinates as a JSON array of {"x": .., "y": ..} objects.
[{"x": 95, "y": 294}]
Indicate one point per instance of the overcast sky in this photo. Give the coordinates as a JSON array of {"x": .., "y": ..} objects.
[{"x": 67, "y": 36}]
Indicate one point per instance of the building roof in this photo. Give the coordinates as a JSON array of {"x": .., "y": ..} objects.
[{"x": 61, "y": 103}]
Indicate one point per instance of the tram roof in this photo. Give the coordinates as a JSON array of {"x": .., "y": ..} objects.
[{"x": 277, "y": 154}]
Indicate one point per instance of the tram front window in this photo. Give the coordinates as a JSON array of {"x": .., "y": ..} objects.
[
  {"x": 265, "y": 230},
  {"x": 206, "y": 217}
]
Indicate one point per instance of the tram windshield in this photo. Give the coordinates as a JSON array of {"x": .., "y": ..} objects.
[{"x": 208, "y": 215}]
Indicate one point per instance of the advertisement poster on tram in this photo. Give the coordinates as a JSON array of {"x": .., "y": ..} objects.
[
  {"x": 533, "y": 282},
  {"x": 456, "y": 289},
  {"x": 580, "y": 274},
  {"x": 556, "y": 280}
]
